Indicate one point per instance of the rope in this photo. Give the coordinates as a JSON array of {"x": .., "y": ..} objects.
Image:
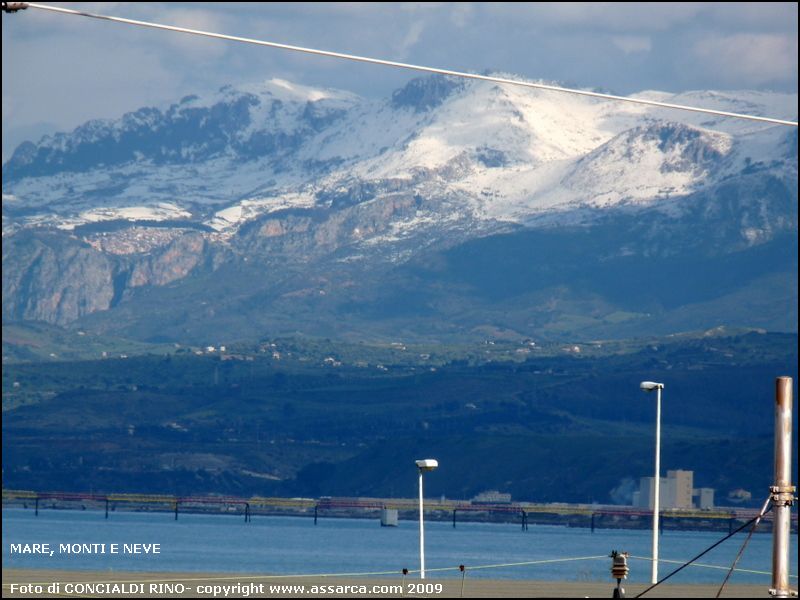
[
  {"x": 707, "y": 566},
  {"x": 390, "y": 63},
  {"x": 521, "y": 564},
  {"x": 744, "y": 545},
  {"x": 704, "y": 552},
  {"x": 312, "y": 575}
]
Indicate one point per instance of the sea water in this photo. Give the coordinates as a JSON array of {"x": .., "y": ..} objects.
[{"x": 85, "y": 540}]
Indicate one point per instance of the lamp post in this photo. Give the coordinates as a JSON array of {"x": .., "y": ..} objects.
[
  {"x": 649, "y": 386},
  {"x": 428, "y": 464}
]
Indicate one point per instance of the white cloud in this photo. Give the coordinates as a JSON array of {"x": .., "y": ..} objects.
[
  {"x": 632, "y": 44},
  {"x": 602, "y": 16},
  {"x": 461, "y": 13},
  {"x": 757, "y": 58},
  {"x": 193, "y": 46},
  {"x": 411, "y": 38}
]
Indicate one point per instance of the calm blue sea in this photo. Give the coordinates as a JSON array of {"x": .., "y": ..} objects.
[{"x": 294, "y": 545}]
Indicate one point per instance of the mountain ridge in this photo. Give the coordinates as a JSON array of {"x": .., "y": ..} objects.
[{"x": 323, "y": 186}]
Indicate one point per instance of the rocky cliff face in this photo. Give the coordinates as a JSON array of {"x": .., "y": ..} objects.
[
  {"x": 58, "y": 279},
  {"x": 48, "y": 278}
]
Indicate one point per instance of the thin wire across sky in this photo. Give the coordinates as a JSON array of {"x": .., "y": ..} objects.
[{"x": 389, "y": 63}]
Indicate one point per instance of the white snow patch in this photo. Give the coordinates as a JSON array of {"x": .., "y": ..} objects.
[
  {"x": 230, "y": 218},
  {"x": 158, "y": 212}
]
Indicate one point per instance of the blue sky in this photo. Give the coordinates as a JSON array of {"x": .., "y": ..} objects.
[{"x": 59, "y": 71}]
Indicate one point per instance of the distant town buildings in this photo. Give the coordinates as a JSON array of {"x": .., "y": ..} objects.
[
  {"x": 676, "y": 491},
  {"x": 492, "y": 497},
  {"x": 705, "y": 497}
]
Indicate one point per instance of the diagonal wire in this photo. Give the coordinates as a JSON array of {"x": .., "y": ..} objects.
[
  {"x": 400, "y": 65},
  {"x": 172, "y": 578},
  {"x": 706, "y": 566},
  {"x": 703, "y": 553},
  {"x": 764, "y": 510}
]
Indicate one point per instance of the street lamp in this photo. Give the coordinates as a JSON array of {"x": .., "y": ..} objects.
[
  {"x": 649, "y": 386},
  {"x": 428, "y": 464}
]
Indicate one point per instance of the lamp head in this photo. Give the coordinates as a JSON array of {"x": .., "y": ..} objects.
[
  {"x": 427, "y": 464},
  {"x": 649, "y": 386}
]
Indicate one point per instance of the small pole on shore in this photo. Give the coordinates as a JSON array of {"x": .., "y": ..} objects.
[
  {"x": 592, "y": 522},
  {"x": 454, "y": 518},
  {"x": 106, "y": 508},
  {"x": 316, "y": 507},
  {"x": 246, "y": 512},
  {"x": 176, "y": 510},
  {"x": 36, "y": 511},
  {"x": 782, "y": 492}
]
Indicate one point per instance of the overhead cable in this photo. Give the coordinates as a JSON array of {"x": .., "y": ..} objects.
[{"x": 390, "y": 63}]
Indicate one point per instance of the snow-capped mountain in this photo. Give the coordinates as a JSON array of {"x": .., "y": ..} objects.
[
  {"x": 281, "y": 169},
  {"x": 509, "y": 153}
]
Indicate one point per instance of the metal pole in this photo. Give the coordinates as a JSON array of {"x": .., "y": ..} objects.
[
  {"x": 421, "y": 532},
  {"x": 656, "y": 488},
  {"x": 782, "y": 493}
]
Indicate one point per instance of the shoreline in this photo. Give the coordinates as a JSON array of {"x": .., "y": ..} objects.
[{"x": 211, "y": 585}]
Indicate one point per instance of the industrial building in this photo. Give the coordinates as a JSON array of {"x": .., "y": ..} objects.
[{"x": 676, "y": 491}]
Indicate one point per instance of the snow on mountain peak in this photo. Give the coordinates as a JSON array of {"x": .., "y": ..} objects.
[
  {"x": 299, "y": 92},
  {"x": 270, "y": 90},
  {"x": 503, "y": 152},
  {"x": 644, "y": 164}
]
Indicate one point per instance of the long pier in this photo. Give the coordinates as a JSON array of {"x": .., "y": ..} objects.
[{"x": 593, "y": 514}]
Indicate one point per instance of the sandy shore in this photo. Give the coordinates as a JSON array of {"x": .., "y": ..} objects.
[{"x": 206, "y": 585}]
